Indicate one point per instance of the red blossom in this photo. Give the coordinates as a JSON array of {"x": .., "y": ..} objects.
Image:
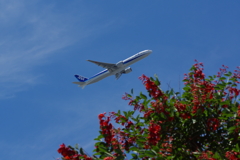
[
  {"x": 66, "y": 151},
  {"x": 106, "y": 127},
  {"x": 100, "y": 116},
  {"x": 185, "y": 115},
  {"x": 234, "y": 91},
  {"x": 170, "y": 118},
  {"x": 213, "y": 124},
  {"x": 70, "y": 154},
  {"x": 151, "y": 87},
  {"x": 154, "y": 133},
  {"x": 180, "y": 107},
  {"x": 207, "y": 155},
  {"x": 231, "y": 155}
]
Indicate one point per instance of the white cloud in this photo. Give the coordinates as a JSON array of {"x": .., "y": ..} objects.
[{"x": 30, "y": 33}]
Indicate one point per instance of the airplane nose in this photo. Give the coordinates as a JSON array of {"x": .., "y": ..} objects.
[{"x": 149, "y": 52}]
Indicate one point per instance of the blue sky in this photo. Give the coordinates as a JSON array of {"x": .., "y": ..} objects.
[{"x": 44, "y": 43}]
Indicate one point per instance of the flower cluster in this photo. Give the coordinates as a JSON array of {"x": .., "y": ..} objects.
[
  {"x": 115, "y": 138},
  {"x": 207, "y": 155},
  {"x": 70, "y": 153},
  {"x": 151, "y": 87},
  {"x": 106, "y": 127},
  {"x": 213, "y": 124},
  {"x": 154, "y": 133},
  {"x": 232, "y": 155},
  {"x": 132, "y": 102}
]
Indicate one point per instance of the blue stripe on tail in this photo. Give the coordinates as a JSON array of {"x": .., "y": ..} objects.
[{"x": 81, "y": 78}]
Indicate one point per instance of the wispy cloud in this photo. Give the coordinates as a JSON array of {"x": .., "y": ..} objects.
[{"x": 30, "y": 33}]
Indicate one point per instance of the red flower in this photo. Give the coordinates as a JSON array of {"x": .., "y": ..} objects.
[
  {"x": 106, "y": 128},
  {"x": 151, "y": 87},
  {"x": 213, "y": 124},
  {"x": 180, "y": 107},
  {"x": 100, "y": 116},
  {"x": 154, "y": 133},
  {"x": 185, "y": 116},
  {"x": 232, "y": 155},
  {"x": 66, "y": 152}
]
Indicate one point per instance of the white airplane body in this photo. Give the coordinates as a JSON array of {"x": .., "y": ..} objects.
[{"x": 122, "y": 67}]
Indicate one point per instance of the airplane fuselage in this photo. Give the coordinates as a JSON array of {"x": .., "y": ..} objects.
[{"x": 116, "y": 69}]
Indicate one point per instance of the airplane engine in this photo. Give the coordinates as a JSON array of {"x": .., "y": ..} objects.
[
  {"x": 119, "y": 64},
  {"x": 127, "y": 70}
]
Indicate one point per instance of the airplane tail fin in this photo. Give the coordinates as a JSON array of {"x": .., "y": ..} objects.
[
  {"x": 82, "y": 81},
  {"x": 81, "y": 78},
  {"x": 80, "y": 84}
]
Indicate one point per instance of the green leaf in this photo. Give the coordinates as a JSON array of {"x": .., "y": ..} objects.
[
  {"x": 137, "y": 98},
  {"x": 211, "y": 78},
  {"x": 226, "y": 102},
  {"x": 192, "y": 68},
  {"x": 237, "y": 149},
  {"x": 100, "y": 144},
  {"x": 134, "y": 148},
  {"x": 232, "y": 79},
  {"x": 134, "y": 156},
  {"x": 234, "y": 85},
  {"x": 163, "y": 115},
  {"x": 129, "y": 95},
  {"x": 220, "y": 86},
  {"x": 145, "y": 103},
  {"x": 99, "y": 137},
  {"x": 231, "y": 129},
  {"x": 206, "y": 113},
  {"x": 223, "y": 118},
  {"x": 140, "y": 139},
  {"x": 81, "y": 151},
  {"x": 140, "y": 124},
  {"x": 150, "y": 153},
  {"x": 222, "y": 78},
  {"x": 143, "y": 96},
  {"x": 157, "y": 82},
  {"x": 132, "y": 91},
  {"x": 229, "y": 115},
  {"x": 130, "y": 113},
  {"x": 125, "y": 114},
  {"x": 234, "y": 109},
  {"x": 216, "y": 155},
  {"x": 228, "y": 74},
  {"x": 102, "y": 149}
]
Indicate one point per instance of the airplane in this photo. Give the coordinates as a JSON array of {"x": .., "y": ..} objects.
[{"x": 112, "y": 69}]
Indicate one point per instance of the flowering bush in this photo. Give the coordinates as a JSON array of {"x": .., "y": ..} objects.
[{"x": 201, "y": 123}]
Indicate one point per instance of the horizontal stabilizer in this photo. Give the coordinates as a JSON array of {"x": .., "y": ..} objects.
[{"x": 81, "y": 84}]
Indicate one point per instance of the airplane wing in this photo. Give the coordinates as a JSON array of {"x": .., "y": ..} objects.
[{"x": 102, "y": 64}]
